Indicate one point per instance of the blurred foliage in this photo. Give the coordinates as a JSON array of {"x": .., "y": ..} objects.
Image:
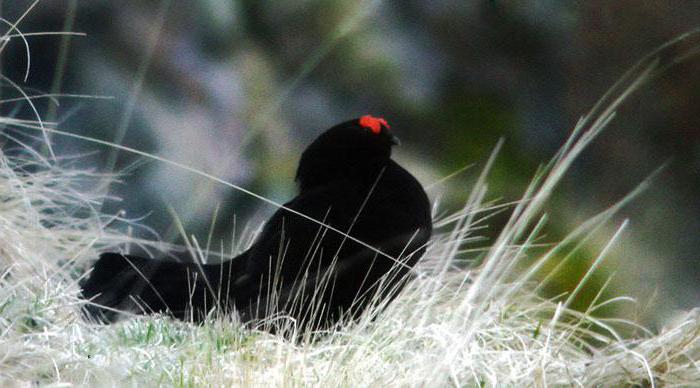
[{"x": 238, "y": 88}]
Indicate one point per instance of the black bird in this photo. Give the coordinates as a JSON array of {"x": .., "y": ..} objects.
[{"x": 377, "y": 223}]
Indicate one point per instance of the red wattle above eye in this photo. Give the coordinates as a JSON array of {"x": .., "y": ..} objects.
[{"x": 373, "y": 123}]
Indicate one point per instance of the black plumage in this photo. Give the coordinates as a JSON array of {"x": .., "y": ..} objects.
[{"x": 296, "y": 267}]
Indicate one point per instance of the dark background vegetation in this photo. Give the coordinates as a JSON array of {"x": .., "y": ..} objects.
[{"x": 238, "y": 88}]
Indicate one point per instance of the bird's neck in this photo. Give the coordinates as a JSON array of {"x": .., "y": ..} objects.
[{"x": 362, "y": 173}]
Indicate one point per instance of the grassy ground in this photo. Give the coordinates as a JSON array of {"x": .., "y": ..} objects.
[{"x": 485, "y": 326}]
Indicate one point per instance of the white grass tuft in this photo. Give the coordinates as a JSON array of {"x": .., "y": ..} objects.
[{"x": 485, "y": 326}]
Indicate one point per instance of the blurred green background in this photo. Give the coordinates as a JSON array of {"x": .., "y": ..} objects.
[{"x": 239, "y": 88}]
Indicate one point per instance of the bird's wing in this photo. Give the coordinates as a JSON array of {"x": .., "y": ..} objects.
[{"x": 289, "y": 243}]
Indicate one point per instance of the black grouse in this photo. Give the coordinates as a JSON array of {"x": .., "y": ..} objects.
[{"x": 349, "y": 239}]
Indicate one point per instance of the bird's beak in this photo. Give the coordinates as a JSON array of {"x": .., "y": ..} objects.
[{"x": 394, "y": 140}]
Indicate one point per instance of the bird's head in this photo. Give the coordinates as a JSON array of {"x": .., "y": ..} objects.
[{"x": 354, "y": 147}]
